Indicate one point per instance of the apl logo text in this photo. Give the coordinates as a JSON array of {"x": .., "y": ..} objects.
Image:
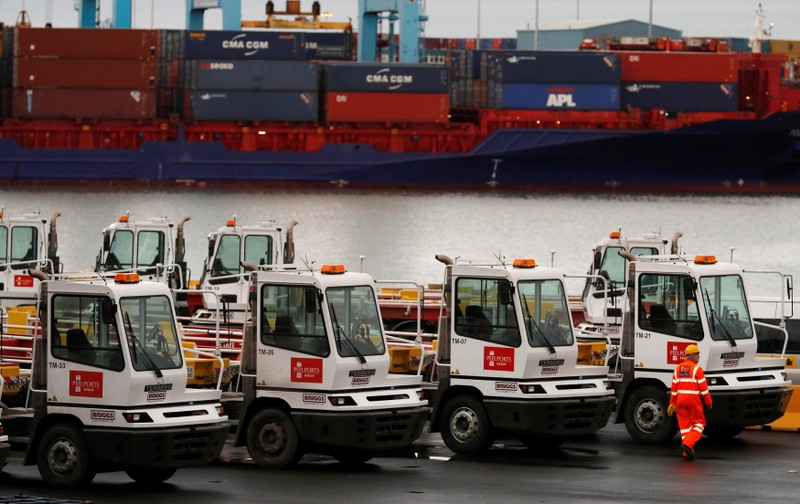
[{"x": 561, "y": 98}]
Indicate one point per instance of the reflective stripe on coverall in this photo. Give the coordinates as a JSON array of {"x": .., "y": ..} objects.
[{"x": 688, "y": 384}]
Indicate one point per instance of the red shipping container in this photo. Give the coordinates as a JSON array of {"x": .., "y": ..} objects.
[
  {"x": 644, "y": 66},
  {"x": 54, "y": 103},
  {"x": 84, "y": 73},
  {"x": 387, "y": 107},
  {"x": 85, "y": 43}
]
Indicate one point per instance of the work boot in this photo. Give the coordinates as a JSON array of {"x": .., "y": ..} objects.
[{"x": 688, "y": 453}]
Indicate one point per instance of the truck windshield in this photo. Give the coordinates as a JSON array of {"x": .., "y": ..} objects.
[
  {"x": 613, "y": 265},
  {"x": 78, "y": 333},
  {"x": 726, "y": 307},
  {"x": 152, "y": 324},
  {"x": 120, "y": 254},
  {"x": 546, "y": 313},
  {"x": 356, "y": 324}
]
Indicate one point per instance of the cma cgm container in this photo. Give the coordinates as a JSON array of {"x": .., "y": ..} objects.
[
  {"x": 678, "y": 67},
  {"x": 384, "y": 78},
  {"x": 229, "y": 45},
  {"x": 56, "y": 103},
  {"x": 554, "y": 96},
  {"x": 681, "y": 96},
  {"x": 85, "y": 43},
  {"x": 343, "y": 106},
  {"x": 85, "y": 73},
  {"x": 292, "y": 106},
  {"x": 251, "y": 75},
  {"x": 544, "y": 67}
]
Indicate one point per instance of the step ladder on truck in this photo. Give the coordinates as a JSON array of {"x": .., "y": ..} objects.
[
  {"x": 674, "y": 301},
  {"x": 108, "y": 386},
  {"x": 507, "y": 361},
  {"x": 315, "y": 371}
]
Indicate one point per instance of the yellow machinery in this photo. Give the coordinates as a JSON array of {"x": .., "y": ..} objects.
[{"x": 300, "y": 20}]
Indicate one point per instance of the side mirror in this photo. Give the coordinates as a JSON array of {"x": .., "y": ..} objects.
[
  {"x": 310, "y": 294},
  {"x": 106, "y": 242},
  {"x": 689, "y": 287},
  {"x": 108, "y": 311},
  {"x": 598, "y": 258},
  {"x": 210, "y": 247},
  {"x": 504, "y": 292}
]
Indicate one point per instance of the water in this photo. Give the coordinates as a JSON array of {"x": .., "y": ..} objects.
[{"x": 398, "y": 234}]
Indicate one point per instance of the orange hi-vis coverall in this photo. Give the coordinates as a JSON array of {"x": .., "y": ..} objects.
[{"x": 688, "y": 385}]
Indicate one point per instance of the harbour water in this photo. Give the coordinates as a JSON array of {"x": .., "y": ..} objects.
[{"x": 395, "y": 235}]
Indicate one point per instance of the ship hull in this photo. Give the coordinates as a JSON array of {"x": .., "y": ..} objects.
[{"x": 730, "y": 155}]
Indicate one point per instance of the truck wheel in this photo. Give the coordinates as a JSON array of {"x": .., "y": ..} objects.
[
  {"x": 646, "y": 416},
  {"x": 465, "y": 426},
  {"x": 63, "y": 457},
  {"x": 272, "y": 439},
  {"x": 150, "y": 475}
]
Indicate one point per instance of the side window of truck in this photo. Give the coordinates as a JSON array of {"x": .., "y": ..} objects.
[
  {"x": 482, "y": 314},
  {"x": 78, "y": 333}
]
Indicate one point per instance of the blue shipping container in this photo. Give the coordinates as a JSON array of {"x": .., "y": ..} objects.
[
  {"x": 542, "y": 67},
  {"x": 681, "y": 96},
  {"x": 554, "y": 96},
  {"x": 328, "y": 46},
  {"x": 242, "y": 45},
  {"x": 384, "y": 78},
  {"x": 252, "y": 75},
  {"x": 292, "y": 106}
]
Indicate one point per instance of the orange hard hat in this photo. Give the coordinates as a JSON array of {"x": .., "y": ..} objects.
[{"x": 691, "y": 350}]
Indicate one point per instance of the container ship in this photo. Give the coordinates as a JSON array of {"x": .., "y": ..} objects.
[{"x": 291, "y": 108}]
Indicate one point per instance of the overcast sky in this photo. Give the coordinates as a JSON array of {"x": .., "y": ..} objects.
[{"x": 459, "y": 18}]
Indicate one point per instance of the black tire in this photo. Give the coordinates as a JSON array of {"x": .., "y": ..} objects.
[
  {"x": 722, "y": 432},
  {"x": 272, "y": 439},
  {"x": 150, "y": 475},
  {"x": 352, "y": 457},
  {"x": 646, "y": 416},
  {"x": 465, "y": 426},
  {"x": 63, "y": 457}
]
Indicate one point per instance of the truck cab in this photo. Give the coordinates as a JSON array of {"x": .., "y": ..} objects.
[
  {"x": 154, "y": 249},
  {"x": 676, "y": 301},
  {"x": 27, "y": 242},
  {"x": 108, "y": 386},
  {"x": 315, "y": 370},
  {"x": 230, "y": 249},
  {"x": 507, "y": 360},
  {"x": 603, "y": 300}
]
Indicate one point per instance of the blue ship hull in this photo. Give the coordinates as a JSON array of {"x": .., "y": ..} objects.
[{"x": 746, "y": 155}]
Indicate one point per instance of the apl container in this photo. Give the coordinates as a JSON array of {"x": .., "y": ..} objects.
[
  {"x": 292, "y": 106},
  {"x": 681, "y": 96},
  {"x": 229, "y": 45},
  {"x": 543, "y": 67},
  {"x": 646, "y": 66},
  {"x": 554, "y": 96},
  {"x": 384, "y": 78},
  {"x": 252, "y": 75},
  {"x": 342, "y": 106},
  {"x": 50, "y": 103},
  {"x": 85, "y": 73},
  {"x": 85, "y": 43}
]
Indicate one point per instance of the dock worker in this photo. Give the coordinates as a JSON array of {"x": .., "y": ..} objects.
[{"x": 689, "y": 393}]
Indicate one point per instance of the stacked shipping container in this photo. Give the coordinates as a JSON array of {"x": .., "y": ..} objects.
[
  {"x": 247, "y": 76},
  {"x": 375, "y": 92},
  {"x": 527, "y": 80},
  {"x": 72, "y": 73},
  {"x": 675, "y": 81}
]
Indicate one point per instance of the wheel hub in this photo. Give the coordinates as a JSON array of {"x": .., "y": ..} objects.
[
  {"x": 272, "y": 438},
  {"x": 649, "y": 415},
  {"x": 464, "y": 424},
  {"x": 62, "y": 457}
]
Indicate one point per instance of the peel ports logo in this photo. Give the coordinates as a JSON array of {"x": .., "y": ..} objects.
[
  {"x": 306, "y": 370},
  {"x": 498, "y": 359},
  {"x": 86, "y": 384}
]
